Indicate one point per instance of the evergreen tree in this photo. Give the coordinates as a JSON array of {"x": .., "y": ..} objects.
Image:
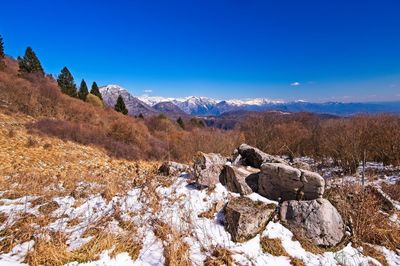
[
  {"x": 180, "y": 122},
  {"x": 120, "y": 106},
  {"x": 66, "y": 82},
  {"x": 30, "y": 63},
  {"x": 83, "y": 90},
  {"x": 2, "y": 54},
  {"x": 141, "y": 116},
  {"x": 95, "y": 90}
]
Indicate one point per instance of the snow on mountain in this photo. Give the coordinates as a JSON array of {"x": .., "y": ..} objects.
[
  {"x": 195, "y": 105},
  {"x": 135, "y": 106},
  {"x": 153, "y": 100},
  {"x": 256, "y": 101}
]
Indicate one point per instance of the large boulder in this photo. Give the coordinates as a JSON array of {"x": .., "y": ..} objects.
[
  {"x": 316, "y": 220},
  {"x": 281, "y": 181},
  {"x": 245, "y": 218},
  {"x": 207, "y": 168},
  {"x": 240, "y": 179},
  {"x": 254, "y": 157},
  {"x": 173, "y": 168}
]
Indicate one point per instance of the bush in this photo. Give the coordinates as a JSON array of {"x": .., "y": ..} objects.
[{"x": 94, "y": 100}]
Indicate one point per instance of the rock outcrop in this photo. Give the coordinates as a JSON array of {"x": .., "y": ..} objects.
[
  {"x": 245, "y": 218},
  {"x": 207, "y": 168},
  {"x": 284, "y": 182},
  {"x": 317, "y": 220},
  {"x": 240, "y": 179},
  {"x": 173, "y": 168},
  {"x": 254, "y": 157}
]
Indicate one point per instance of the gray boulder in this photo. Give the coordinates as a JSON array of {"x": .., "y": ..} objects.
[
  {"x": 207, "y": 168},
  {"x": 240, "y": 179},
  {"x": 254, "y": 157},
  {"x": 173, "y": 168},
  {"x": 281, "y": 181},
  {"x": 245, "y": 218},
  {"x": 317, "y": 220}
]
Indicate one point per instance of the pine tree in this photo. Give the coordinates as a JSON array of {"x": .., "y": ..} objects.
[
  {"x": 83, "y": 90},
  {"x": 141, "y": 116},
  {"x": 180, "y": 122},
  {"x": 95, "y": 90},
  {"x": 120, "y": 106},
  {"x": 66, "y": 82},
  {"x": 2, "y": 54},
  {"x": 30, "y": 63}
]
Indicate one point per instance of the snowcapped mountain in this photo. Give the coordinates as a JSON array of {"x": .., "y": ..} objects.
[
  {"x": 195, "y": 105},
  {"x": 135, "y": 106}
]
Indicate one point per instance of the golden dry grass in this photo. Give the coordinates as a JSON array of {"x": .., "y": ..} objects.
[
  {"x": 33, "y": 168},
  {"x": 176, "y": 251},
  {"x": 273, "y": 246},
  {"x": 364, "y": 213},
  {"x": 219, "y": 257},
  {"x": 46, "y": 167}
]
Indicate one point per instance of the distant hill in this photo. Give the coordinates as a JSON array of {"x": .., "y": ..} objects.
[
  {"x": 135, "y": 106},
  {"x": 170, "y": 109},
  {"x": 204, "y": 106}
]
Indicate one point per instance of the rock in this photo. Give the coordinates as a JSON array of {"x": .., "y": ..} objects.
[
  {"x": 388, "y": 204},
  {"x": 316, "y": 220},
  {"x": 281, "y": 181},
  {"x": 301, "y": 165},
  {"x": 207, "y": 168},
  {"x": 173, "y": 168},
  {"x": 254, "y": 157},
  {"x": 240, "y": 179},
  {"x": 245, "y": 218},
  {"x": 314, "y": 185}
]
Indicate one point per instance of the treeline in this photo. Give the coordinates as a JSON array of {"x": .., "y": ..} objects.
[
  {"x": 70, "y": 118},
  {"x": 345, "y": 140},
  {"x": 79, "y": 115},
  {"x": 29, "y": 65}
]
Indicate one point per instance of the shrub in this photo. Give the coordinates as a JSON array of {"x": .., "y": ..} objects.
[{"x": 94, "y": 100}]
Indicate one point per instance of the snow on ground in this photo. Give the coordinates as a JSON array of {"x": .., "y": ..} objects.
[{"x": 180, "y": 206}]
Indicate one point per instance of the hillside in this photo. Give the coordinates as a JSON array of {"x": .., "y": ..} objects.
[
  {"x": 135, "y": 106},
  {"x": 108, "y": 211},
  {"x": 83, "y": 184}
]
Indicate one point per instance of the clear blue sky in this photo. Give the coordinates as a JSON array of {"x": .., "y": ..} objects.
[{"x": 332, "y": 50}]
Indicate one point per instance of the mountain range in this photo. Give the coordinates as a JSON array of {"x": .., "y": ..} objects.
[{"x": 203, "y": 106}]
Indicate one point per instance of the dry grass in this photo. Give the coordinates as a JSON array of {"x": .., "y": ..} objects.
[
  {"x": 48, "y": 208},
  {"x": 273, "y": 246},
  {"x": 372, "y": 252},
  {"x": 296, "y": 262},
  {"x": 51, "y": 251},
  {"x": 176, "y": 251},
  {"x": 219, "y": 257},
  {"x": 210, "y": 214},
  {"x": 364, "y": 213},
  {"x": 392, "y": 190},
  {"x": 307, "y": 245},
  {"x": 18, "y": 232}
]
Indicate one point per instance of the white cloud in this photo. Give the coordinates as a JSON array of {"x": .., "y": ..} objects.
[
  {"x": 147, "y": 91},
  {"x": 295, "y": 84}
]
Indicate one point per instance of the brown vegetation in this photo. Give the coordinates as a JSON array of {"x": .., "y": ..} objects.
[
  {"x": 273, "y": 246},
  {"x": 61, "y": 116},
  {"x": 392, "y": 190},
  {"x": 342, "y": 139},
  {"x": 363, "y": 212},
  {"x": 220, "y": 256}
]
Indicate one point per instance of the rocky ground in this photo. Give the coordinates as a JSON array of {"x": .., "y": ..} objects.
[{"x": 66, "y": 204}]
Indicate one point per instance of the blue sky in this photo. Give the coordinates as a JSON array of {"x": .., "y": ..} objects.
[{"x": 311, "y": 50}]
